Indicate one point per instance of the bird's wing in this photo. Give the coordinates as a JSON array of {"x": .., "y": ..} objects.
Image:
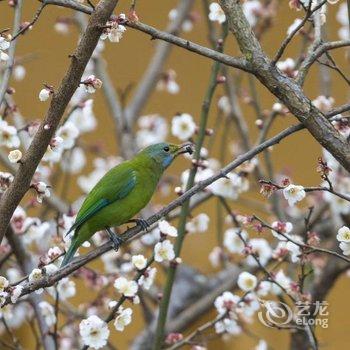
[{"x": 115, "y": 185}]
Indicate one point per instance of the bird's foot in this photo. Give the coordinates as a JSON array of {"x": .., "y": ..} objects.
[
  {"x": 115, "y": 239},
  {"x": 142, "y": 223}
]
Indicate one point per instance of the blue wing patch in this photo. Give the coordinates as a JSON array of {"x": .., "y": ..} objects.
[
  {"x": 122, "y": 192},
  {"x": 89, "y": 213}
]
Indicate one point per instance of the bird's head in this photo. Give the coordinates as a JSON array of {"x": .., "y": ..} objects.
[{"x": 164, "y": 153}]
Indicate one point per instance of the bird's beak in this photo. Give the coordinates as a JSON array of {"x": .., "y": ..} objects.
[{"x": 185, "y": 148}]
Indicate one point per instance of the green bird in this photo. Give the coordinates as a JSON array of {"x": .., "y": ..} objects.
[{"x": 121, "y": 193}]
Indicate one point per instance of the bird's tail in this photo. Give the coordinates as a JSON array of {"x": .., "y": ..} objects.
[{"x": 70, "y": 253}]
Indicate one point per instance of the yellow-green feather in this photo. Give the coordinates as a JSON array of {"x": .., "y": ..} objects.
[{"x": 116, "y": 198}]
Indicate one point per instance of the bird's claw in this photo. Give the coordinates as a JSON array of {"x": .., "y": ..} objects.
[{"x": 115, "y": 239}]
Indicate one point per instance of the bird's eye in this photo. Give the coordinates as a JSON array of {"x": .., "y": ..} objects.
[{"x": 166, "y": 149}]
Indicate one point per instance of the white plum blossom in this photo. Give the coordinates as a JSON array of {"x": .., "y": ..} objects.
[
  {"x": 151, "y": 238},
  {"x": 54, "y": 150},
  {"x": 216, "y": 13},
  {"x": 19, "y": 72},
  {"x": 345, "y": 247},
  {"x": 232, "y": 242},
  {"x": 73, "y": 161},
  {"x": 123, "y": 319},
  {"x": 226, "y": 302},
  {"x": 283, "y": 281},
  {"x": 251, "y": 9},
  {"x": 199, "y": 223},
  {"x": 167, "y": 229},
  {"x": 4, "y": 46},
  {"x": 287, "y": 66},
  {"x": 147, "y": 279},
  {"x": 187, "y": 24},
  {"x": 126, "y": 287},
  {"x": 50, "y": 269},
  {"x": 16, "y": 293},
  {"x": 251, "y": 304},
  {"x": 91, "y": 84},
  {"x": 68, "y": 132},
  {"x": 13, "y": 274},
  {"x": 183, "y": 126},
  {"x": 115, "y": 31},
  {"x": 343, "y": 237},
  {"x": 36, "y": 232},
  {"x": 215, "y": 256},
  {"x": 277, "y": 107},
  {"x": 164, "y": 251},
  {"x": 45, "y": 94},
  {"x": 35, "y": 275},
  {"x": 344, "y": 234},
  {"x": 20, "y": 221},
  {"x": 228, "y": 325},
  {"x": 246, "y": 281},
  {"x": 230, "y": 186},
  {"x": 66, "y": 288},
  {"x": 224, "y": 105},
  {"x": 323, "y": 103},
  {"x": 168, "y": 83},
  {"x": 48, "y": 312},
  {"x": 8, "y": 135},
  {"x": 294, "y": 249},
  {"x": 61, "y": 26},
  {"x": 262, "y": 249},
  {"x": 153, "y": 128},
  {"x": 42, "y": 190},
  {"x": 139, "y": 261},
  {"x": 83, "y": 116},
  {"x": 293, "y": 194},
  {"x": 283, "y": 227},
  {"x": 264, "y": 288},
  {"x": 202, "y": 174},
  {"x": 4, "y": 283},
  {"x": 110, "y": 261},
  {"x": 5, "y": 181},
  {"x": 15, "y": 156},
  {"x": 94, "y": 332}
]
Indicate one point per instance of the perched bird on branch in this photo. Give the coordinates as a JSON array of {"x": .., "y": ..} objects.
[{"x": 121, "y": 194}]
